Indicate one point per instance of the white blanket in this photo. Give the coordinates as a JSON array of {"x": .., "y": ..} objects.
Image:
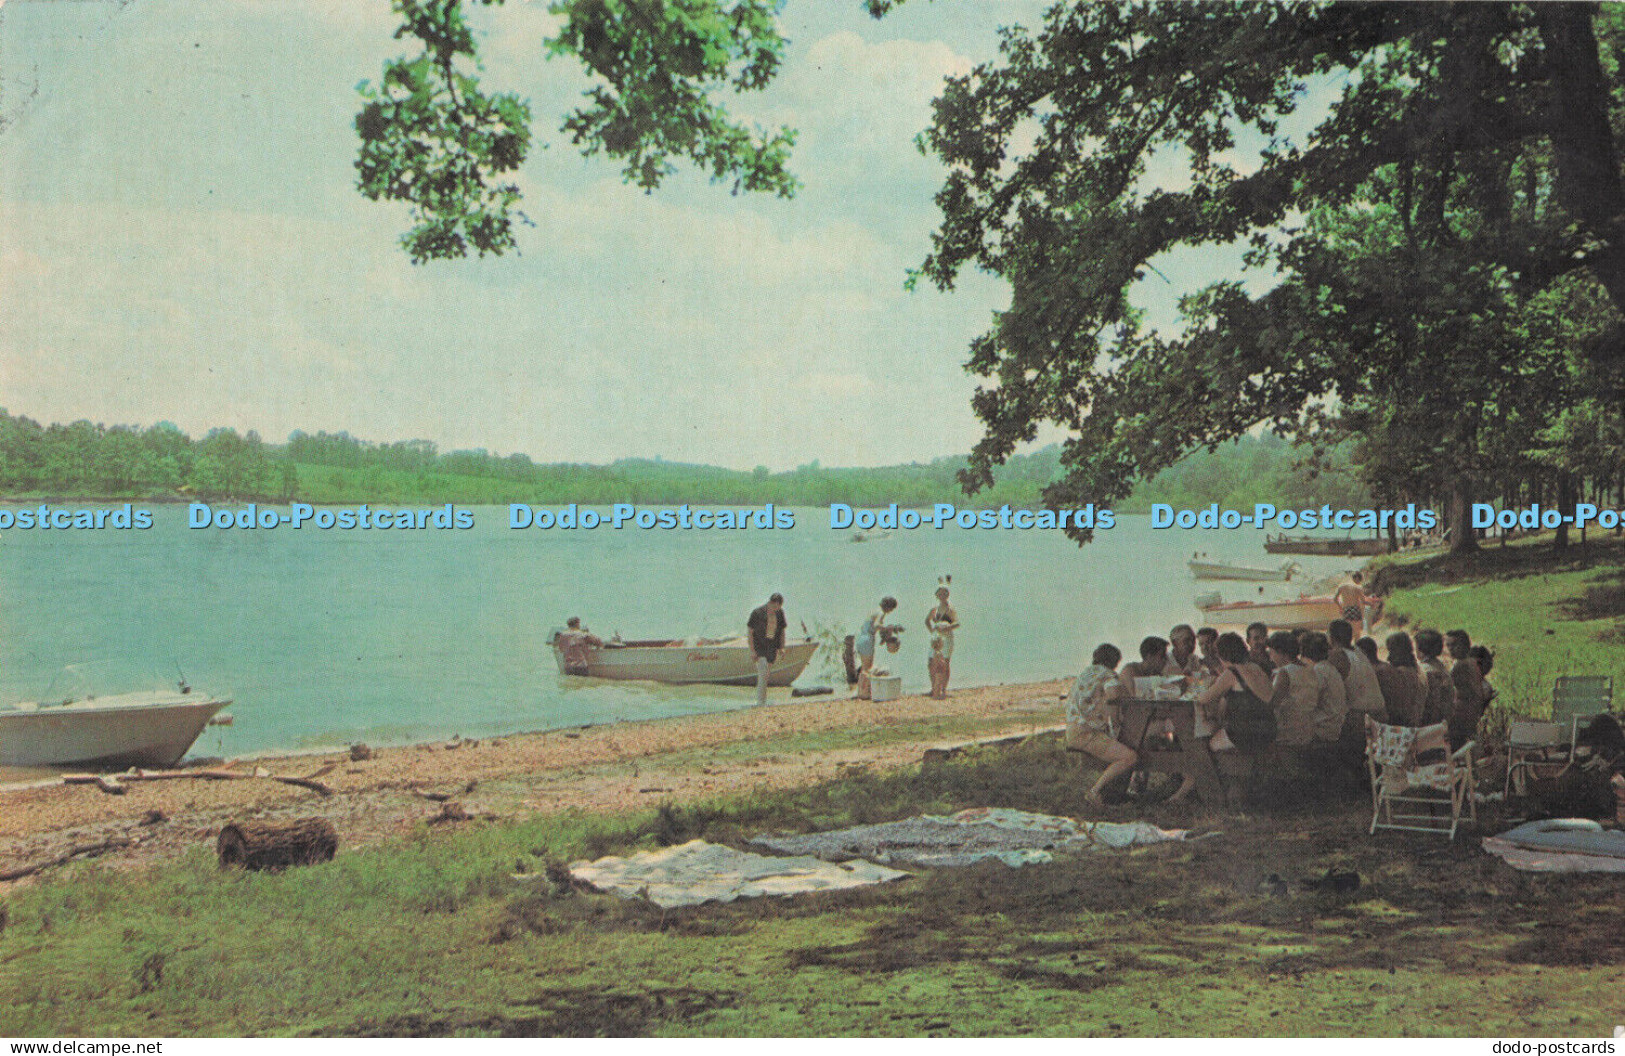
[{"x": 696, "y": 872}]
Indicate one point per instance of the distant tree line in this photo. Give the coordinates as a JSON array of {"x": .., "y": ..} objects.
[{"x": 85, "y": 460}]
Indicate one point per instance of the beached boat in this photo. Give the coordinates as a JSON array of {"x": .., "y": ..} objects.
[
  {"x": 1222, "y": 570},
  {"x": 720, "y": 661},
  {"x": 1287, "y": 614},
  {"x": 1323, "y": 547},
  {"x": 130, "y": 729}
]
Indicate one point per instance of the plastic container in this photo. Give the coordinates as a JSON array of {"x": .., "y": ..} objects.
[{"x": 886, "y": 687}]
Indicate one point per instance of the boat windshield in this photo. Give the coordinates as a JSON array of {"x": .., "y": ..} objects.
[{"x": 100, "y": 678}]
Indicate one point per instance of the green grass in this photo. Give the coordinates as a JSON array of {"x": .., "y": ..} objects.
[
  {"x": 433, "y": 935},
  {"x": 1545, "y": 614}
]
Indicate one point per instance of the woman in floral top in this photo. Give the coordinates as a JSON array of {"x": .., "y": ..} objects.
[{"x": 1091, "y": 713}]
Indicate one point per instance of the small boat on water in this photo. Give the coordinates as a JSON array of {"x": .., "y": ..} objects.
[
  {"x": 719, "y": 661},
  {"x": 1223, "y": 570},
  {"x": 1326, "y": 547},
  {"x": 152, "y": 729},
  {"x": 1288, "y": 614}
]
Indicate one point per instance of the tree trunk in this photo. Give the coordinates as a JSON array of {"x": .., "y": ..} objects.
[
  {"x": 277, "y": 844},
  {"x": 1458, "y": 511},
  {"x": 1565, "y": 502},
  {"x": 1588, "y": 179}
]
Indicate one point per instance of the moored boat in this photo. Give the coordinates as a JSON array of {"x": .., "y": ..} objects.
[
  {"x": 1325, "y": 547},
  {"x": 1285, "y": 614},
  {"x": 719, "y": 661},
  {"x": 151, "y": 729},
  {"x": 1223, "y": 570}
]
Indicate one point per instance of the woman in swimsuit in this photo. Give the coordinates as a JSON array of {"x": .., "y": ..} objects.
[
  {"x": 870, "y": 633},
  {"x": 1238, "y": 702},
  {"x": 940, "y": 624}
]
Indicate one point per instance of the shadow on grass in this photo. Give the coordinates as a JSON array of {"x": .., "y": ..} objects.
[
  {"x": 1087, "y": 922},
  {"x": 1496, "y": 562}
]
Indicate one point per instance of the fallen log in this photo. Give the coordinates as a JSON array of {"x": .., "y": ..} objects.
[{"x": 257, "y": 844}]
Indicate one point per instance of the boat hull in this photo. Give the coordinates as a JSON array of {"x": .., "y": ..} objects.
[
  {"x": 727, "y": 663},
  {"x": 1210, "y": 570},
  {"x": 1296, "y": 614},
  {"x": 1326, "y": 547},
  {"x": 132, "y": 729}
]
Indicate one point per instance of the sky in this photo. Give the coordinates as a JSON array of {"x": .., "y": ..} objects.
[{"x": 181, "y": 240}]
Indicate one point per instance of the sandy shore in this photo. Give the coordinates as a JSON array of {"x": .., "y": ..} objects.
[{"x": 610, "y": 767}]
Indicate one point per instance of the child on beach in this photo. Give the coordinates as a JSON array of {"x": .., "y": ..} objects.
[{"x": 940, "y": 622}]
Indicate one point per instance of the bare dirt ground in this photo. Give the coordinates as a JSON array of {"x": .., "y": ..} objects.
[{"x": 608, "y": 768}]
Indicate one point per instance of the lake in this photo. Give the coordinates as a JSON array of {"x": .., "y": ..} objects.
[{"x": 325, "y": 638}]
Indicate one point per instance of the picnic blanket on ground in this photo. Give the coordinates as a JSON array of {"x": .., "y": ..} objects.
[
  {"x": 1560, "y": 845},
  {"x": 697, "y": 871},
  {"x": 1014, "y": 837}
]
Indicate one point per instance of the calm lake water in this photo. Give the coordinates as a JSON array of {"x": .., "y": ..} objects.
[{"x": 325, "y": 638}]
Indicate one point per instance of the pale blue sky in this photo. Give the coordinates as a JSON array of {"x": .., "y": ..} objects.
[{"x": 180, "y": 239}]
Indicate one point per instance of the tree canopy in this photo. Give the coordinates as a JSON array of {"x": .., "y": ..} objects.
[
  {"x": 1464, "y": 176},
  {"x": 1427, "y": 197},
  {"x": 432, "y": 139}
]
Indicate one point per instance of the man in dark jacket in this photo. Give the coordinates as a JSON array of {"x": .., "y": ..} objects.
[{"x": 765, "y": 629}]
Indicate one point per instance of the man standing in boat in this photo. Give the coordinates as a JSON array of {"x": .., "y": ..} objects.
[
  {"x": 765, "y": 629},
  {"x": 577, "y": 643}
]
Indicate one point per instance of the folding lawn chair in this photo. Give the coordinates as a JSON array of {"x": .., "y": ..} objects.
[
  {"x": 1532, "y": 744},
  {"x": 1413, "y": 772}
]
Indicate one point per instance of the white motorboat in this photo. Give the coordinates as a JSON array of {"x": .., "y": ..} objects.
[
  {"x": 722, "y": 661},
  {"x": 1224, "y": 570},
  {"x": 1286, "y": 614},
  {"x": 152, "y": 729}
]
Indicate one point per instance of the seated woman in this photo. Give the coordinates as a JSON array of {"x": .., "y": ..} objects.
[
  {"x": 1403, "y": 686},
  {"x": 1091, "y": 714},
  {"x": 1439, "y": 701},
  {"x": 1238, "y": 702},
  {"x": 1467, "y": 679}
]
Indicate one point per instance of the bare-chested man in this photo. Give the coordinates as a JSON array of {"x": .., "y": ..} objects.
[{"x": 1354, "y": 601}]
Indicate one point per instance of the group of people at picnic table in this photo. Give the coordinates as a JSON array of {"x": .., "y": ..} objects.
[{"x": 1303, "y": 692}]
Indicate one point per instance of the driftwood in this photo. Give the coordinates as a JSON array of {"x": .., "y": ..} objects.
[
  {"x": 305, "y": 782},
  {"x": 84, "y": 850},
  {"x": 277, "y": 844},
  {"x": 104, "y": 782},
  {"x": 112, "y": 784}
]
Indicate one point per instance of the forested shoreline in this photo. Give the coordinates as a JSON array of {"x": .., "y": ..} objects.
[{"x": 94, "y": 462}]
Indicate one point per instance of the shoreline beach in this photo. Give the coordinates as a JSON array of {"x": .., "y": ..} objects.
[{"x": 603, "y": 768}]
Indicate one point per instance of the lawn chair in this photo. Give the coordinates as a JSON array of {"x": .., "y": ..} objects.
[
  {"x": 1533, "y": 745},
  {"x": 1415, "y": 769}
]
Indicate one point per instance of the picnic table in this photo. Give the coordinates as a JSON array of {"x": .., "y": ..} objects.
[{"x": 1144, "y": 727}]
